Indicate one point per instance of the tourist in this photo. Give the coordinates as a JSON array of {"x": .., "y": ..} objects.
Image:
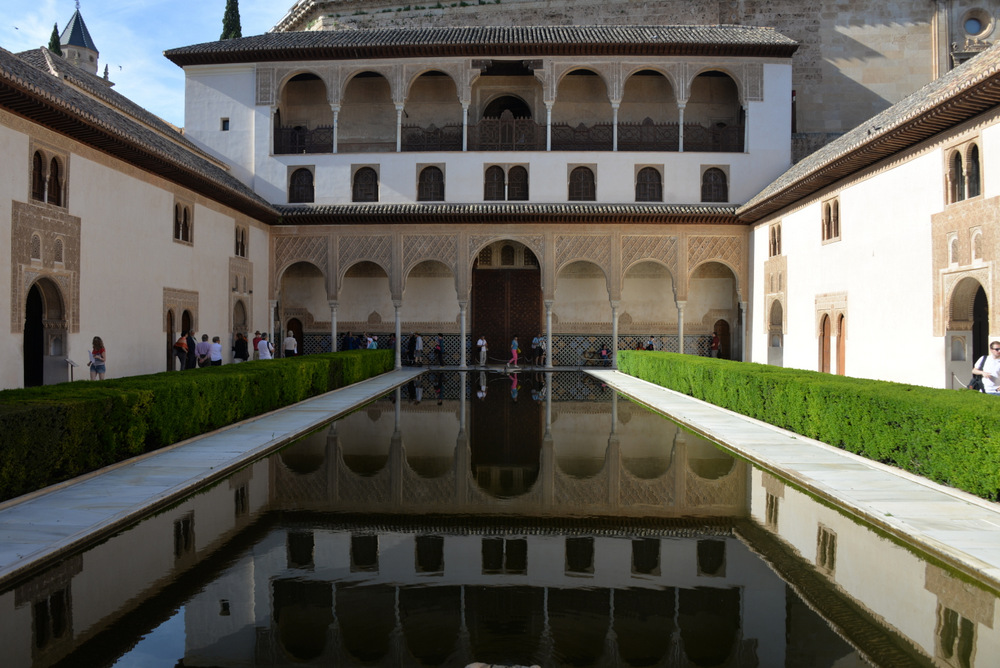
[
  {"x": 215, "y": 352},
  {"x": 650, "y": 345},
  {"x": 256, "y": 340},
  {"x": 264, "y": 348},
  {"x": 203, "y": 350},
  {"x": 181, "y": 350},
  {"x": 605, "y": 356},
  {"x": 536, "y": 349},
  {"x": 290, "y": 345},
  {"x": 713, "y": 349},
  {"x": 240, "y": 351},
  {"x": 418, "y": 349},
  {"x": 439, "y": 349},
  {"x": 192, "y": 354},
  {"x": 481, "y": 344},
  {"x": 514, "y": 350},
  {"x": 541, "y": 350},
  {"x": 990, "y": 370},
  {"x": 481, "y": 392},
  {"x": 98, "y": 358}
]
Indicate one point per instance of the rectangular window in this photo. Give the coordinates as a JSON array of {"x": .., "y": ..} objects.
[{"x": 225, "y": 125}]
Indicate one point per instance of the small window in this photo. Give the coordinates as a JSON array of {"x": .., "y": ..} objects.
[
  {"x": 430, "y": 185},
  {"x": 240, "y": 249},
  {"x": 972, "y": 180},
  {"x": 774, "y": 240},
  {"x": 57, "y": 252},
  {"x": 493, "y": 184},
  {"x": 36, "y": 247},
  {"x": 55, "y": 183},
  {"x": 582, "y": 187},
  {"x": 507, "y": 256},
  {"x": 485, "y": 257},
  {"x": 714, "y": 186},
  {"x": 517, "y": 184},
  {"x": 956, "y": 175},
  {"x": 826, "y": 549},
  {"x": 300, "y": 187},
  {"x": 831, "y": 220},
  {"x": 365, "y": 187},
  {"x": 648, "y": 185},
  {"x": 224, "y": 124},
  {"x": 38, "y": 177}
]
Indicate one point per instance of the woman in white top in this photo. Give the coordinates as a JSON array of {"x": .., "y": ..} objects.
[
  {"x": 264, "y": 348},
  {"x": 290, "y": 345}
]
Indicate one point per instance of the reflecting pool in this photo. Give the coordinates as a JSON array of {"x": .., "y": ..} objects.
[{"x": 530, "y": 519}]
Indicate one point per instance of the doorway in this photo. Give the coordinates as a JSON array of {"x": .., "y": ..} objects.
[{"x": 506, "y": 298}]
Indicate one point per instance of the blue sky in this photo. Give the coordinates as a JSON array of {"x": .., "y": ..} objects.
[{"x": 132, "y": 35}]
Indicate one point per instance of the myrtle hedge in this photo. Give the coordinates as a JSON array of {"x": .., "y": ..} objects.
[
  {"x": 951, "y": 437},
  {"x": 53, "y": 433}
]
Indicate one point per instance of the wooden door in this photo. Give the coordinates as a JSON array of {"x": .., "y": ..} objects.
[{"x": 506, "y": 303}]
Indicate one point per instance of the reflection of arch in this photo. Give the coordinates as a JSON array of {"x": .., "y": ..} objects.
[
  {"x": 306, "y": 455},
  {"x": 644, "y": 625},
  {"x": 579, "y": 620},
  {"x": 431, "y": 620},
  {"x": 303, "y": 613},
  {"x": 503, "y": 621},
  {"x": 367, "y": 619},
  {"x": 709, "y": 619}
]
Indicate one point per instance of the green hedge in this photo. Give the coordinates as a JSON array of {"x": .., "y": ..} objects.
[
  {"x": 952, "y": 437},
  {"x": 53, "y": 433}
]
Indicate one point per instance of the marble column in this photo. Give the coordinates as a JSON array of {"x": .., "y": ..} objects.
[
  {"x": 680, "y": 126},
  {"x": 462, "y": 343},
  {"x": 548, "y": 334},
  {"x": 336, "y": 123},
  {"x": 614, "y": 334},
  {"x": 333, "y": 326},
  {"x": 548, "y": 126},
  {"x": 273, "y": 303},
  {"x": 465, "y": 126},
  {"x": 614, "y": 125},
  {"x": 399, "y": 128},
  {"x": 680, "y": 326},
  {"x": 396, "y": 305}
]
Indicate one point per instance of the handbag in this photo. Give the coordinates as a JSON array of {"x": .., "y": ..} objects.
[{"x": 977, "y": 381}]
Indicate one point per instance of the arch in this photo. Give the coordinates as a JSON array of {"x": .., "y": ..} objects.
[
  {"x": 953, "y": 251},
  {"x": 430, "y": 293},
  {"x": 38, "y": 177},
  {"x": 494, "y": 184},
  {"x": 973, "y": 182},
  {"x": 825, "y": 333},
  {"x": 582, "y": 98},
  {"x": 431, "y": 620},
  {"x": 516, "y": 105},
  {"x": 364, "y": 185},
  {"x": 714, "y": 185},
  {"x": 303, "y": 615},
  {"x": 307, "y": 455},
  {"x": 55, "y": 183},
  {"x": 649, "y": 185},
  {"x": 706, "y": 461},
  {"x": 579, "y": 621},
  {"x": 517, "y": 183},
  {"x": 303, "y": 120},
  {"x": 648, "y": 294},
  {"x": 582, "y": 185},
  {"x": 956, "y": 176},
  {"x": 649, "y": 93},
  {"x": 709, "y": 620},
  {"x": 775, "y": 334},
  {"x": 300, "y": 187},
  {"x": 302, "y": 294},
  {"x": 430, "y": 185},
  {"x": 713, "y": 114},
  {"x": 644, "y": 623},
  {"x": 45, "y": 327},
  {"x": 841, "y": 345},
  {"x": 367, "y": 120},
  {"x": 506, "y": 299},
  {"x": 432, "y": 99},
  {"x": 365, "y": 297},
  {"x": 240, "y": 319},
  {"x": 294, "y": 325},
  {"x": 722, "y": 330},
  {"x": 977, "y": 245}
]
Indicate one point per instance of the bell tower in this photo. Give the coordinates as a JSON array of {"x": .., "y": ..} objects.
[{"x": 77, "y": 45}]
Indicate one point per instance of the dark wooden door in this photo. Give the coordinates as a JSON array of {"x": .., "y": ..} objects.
[{"x": 506, "y": 303}]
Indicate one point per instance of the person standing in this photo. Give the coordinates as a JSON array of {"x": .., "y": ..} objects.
[
  {"x": 514, "y": 350},
  {"x": 240, "y": 351},
  {"x": 256, "y": 340},
  {"x": 439, "y": 349},
  {"x": 98, "y": 359},
  {"x": 536, "y": 350},
  {"x": 481, "y": 344},
  {"x": 203, "y": 350},
  {"x": 215, "y": 352},
  {"x": 181, "y": 350},
  {"x": 192, "y": 355},
  {"x": 290, "y": 345},
  {"x": 714, "y": 347},
  {"x": 990, "y": 370},
  {"x": 418, "y": 349},
  {"x": 264, "y": 348}
]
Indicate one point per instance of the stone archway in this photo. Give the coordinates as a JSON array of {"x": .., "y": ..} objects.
[
  {"x": 45, "y": 328},
  {"x": 506, "y": 297},
  {"x": 825, "y": 334}
]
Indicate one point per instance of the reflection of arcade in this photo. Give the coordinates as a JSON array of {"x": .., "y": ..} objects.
[{"x": 506, "y": 435}]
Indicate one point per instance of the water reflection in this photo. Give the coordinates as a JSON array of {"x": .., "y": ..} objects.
[{"x": 580, "y": 529}]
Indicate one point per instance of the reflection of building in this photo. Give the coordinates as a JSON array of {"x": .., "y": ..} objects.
[{"x": 604, "y": 185}]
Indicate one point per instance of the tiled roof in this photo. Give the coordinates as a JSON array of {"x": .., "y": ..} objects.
[
  {"x": 490, "y": 41},
  {"x": 961, "y": 94},
  {"x": 47, "y": 100},
  {"x": 509, "y": 212},
  {"x": 76, "y": 33}
]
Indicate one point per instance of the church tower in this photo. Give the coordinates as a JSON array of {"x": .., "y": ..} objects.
[{"x": 77, "y": 45}]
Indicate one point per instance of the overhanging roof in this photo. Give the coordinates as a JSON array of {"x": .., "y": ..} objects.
[{"x": 491, "y": 41}]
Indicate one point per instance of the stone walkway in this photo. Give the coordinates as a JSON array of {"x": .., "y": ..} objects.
[
  {"x": 960, "y": 529},
  {"x": 38, "y": 526}
]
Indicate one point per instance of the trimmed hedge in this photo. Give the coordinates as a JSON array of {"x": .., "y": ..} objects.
[
  {"x": 950, "y": 437},
  {"x": 53, "y": 433}
]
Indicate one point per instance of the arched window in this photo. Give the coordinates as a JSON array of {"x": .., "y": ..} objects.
[
  {"x": 953, "y": 252},
  {"x": 365, "y": 188},
  {"x": 430, "y": 185},
  {"x": 835, "y": 220},
  {"x": 957, "y": 178},
  {"x": 507, "y": 256},
  {"x": 581, "y": 185},
  {"x": 185, "y": 224},
  {"x": 977, "y": 246},
  {"x": 517, "y": 184},
  {"x": 714, "y": 186},
  {"x": 493, "y": 185},
  {"x": 57, "y": 251},
  {"x": 648, "y": 185},
  {"x": 38, "y": 177},
  {"x": 300, "y": 187},
  {"x": 177, "y": 221},
  {"x": 55, "y": 183},
  {"x": 36, "y": 247},
  {"x": 973, "y": 187}
]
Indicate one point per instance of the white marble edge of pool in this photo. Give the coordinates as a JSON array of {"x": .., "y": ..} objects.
[{"x": 971, "y": 542}]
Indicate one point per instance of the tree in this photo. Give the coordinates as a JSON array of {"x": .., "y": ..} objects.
[
  {"x": 54, "y": 40},
  {"x": 231, "y": 21}
]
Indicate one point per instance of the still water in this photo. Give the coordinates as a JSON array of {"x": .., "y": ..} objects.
[{"x": 536, "y": 519}]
